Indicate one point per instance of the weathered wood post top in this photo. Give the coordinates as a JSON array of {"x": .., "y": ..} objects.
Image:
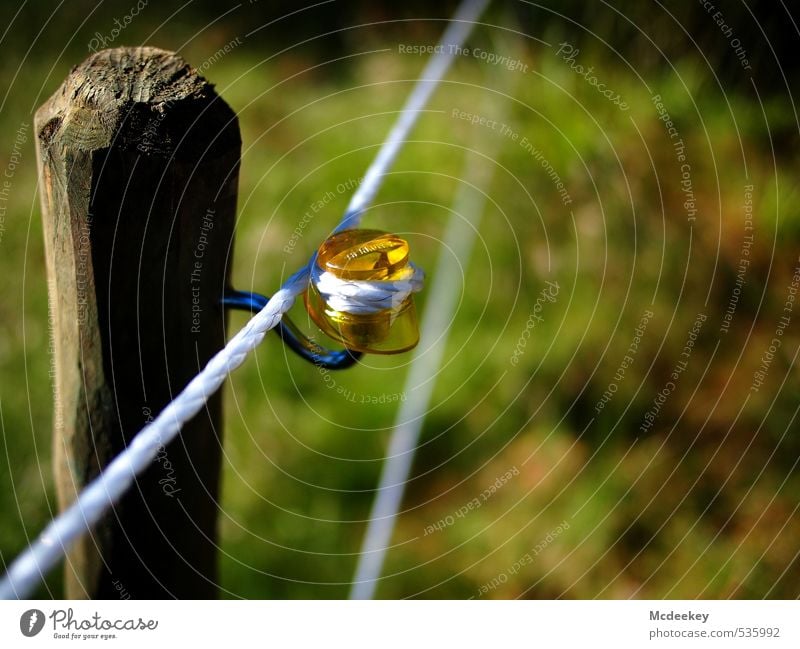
[{"x": 138, "y": 162}]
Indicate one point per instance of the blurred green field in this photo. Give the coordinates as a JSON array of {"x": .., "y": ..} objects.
[{"x": 704, "y": 503}]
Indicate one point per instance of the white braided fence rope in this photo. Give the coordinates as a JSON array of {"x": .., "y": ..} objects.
[
  {"x": 367, "y": 296},
  {"x": 103, "y": 492}
]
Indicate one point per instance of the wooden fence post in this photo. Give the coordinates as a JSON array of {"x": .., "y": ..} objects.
[{"x": 138, "y": 163}]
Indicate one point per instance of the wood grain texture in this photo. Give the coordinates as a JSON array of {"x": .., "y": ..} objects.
[{"x": 138, "y": 162}]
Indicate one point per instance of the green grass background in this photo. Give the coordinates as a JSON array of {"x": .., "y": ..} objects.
[{"x": 703, "y": 504}]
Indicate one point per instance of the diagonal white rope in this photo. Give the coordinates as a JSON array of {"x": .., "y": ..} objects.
[{"x": 101, "y": 494}]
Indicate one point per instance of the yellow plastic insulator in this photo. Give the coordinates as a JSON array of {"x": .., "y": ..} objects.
[{"x": 365, "y": 255}]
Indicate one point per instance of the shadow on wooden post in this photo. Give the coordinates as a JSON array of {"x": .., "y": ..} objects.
[{"x": 138, "y": 162}]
